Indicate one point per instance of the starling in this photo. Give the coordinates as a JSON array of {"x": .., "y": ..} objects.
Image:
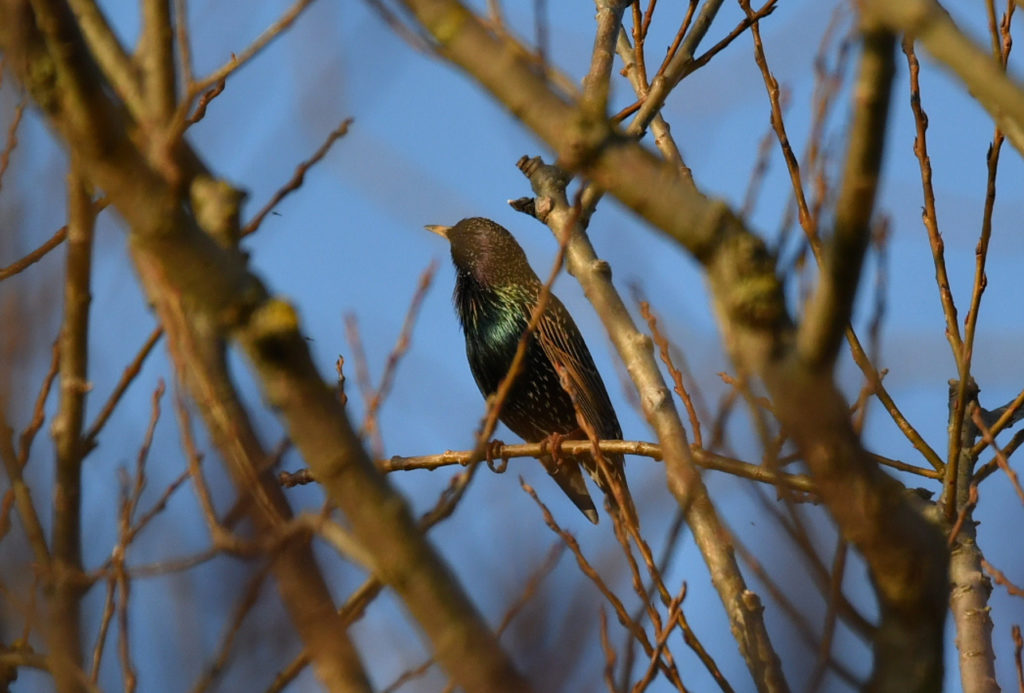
[{"x": 495, "y": 293}]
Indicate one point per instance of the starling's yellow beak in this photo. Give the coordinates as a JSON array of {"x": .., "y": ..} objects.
[{"x": 439, "y": 230}]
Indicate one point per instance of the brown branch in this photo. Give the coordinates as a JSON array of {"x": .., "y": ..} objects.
[
  {"x": 119, "y": 576},
  {"x": 635, "y": 350},
  {"x": 118, "y": 67},
  {"x": 376, "y": 399},
  {"x": 1001, "y": 579},
  {"x": 183, "y": 44},
  {"x": 676, "y": 64},
  {"x": 66, "y": 590},
  {"x": 127, "y": 377},
  {"x": 807, "y": 222},
  {"x": 969, "y": 604},
  {"x": 677, "y": 376},
  {"x": 747, "y": 22},
  {"x": 33, "y": 660},
  {"x": 807, "y": 633},
  {"x": 1005, "y": 416},
  {"x": 704, "y": 458},
  {"x": 927, "y": 22},
  {"x": 661, "y": 640},
  {"x": 251, "y": 51},
  {"x": 929, "y": 215},
  {"x": 668, "y": 669},
  {"x": 963, "y": 514},
  {"x": 39, "y": 253},
  {"x": 528, "y": 592},
  {"x": 964, "y": 359},
  {"x": 860, "y": 357},
  {"x": 83, "y": 113},
  {"x": 828, "y": 311},
  {"x": 204, "y": 101},
  {"x": 12, "y": 141},
  {"x": 835, "y": 592},
  {"x": 597, "y": 82},
  {"x": 987, "y": 469},
  {"x": 27, "y": 512},
  {"x": 1018, "y": 646},
  {"x": 295, "y": 182},
  {"x": 36, "y": 255},
  {"x": 355, "y": 606},
  {"x": 1001, "y": 460},
  {"x": 234, "y": 624},
  {"x": 659, "y": 128},
  {"x": 155, "y": 57}
]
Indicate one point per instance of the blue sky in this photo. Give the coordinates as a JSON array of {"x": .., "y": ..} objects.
[{"x": 427, "y": 146}]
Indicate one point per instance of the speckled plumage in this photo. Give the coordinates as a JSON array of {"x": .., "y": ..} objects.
[{"x": 495, "y": 292}]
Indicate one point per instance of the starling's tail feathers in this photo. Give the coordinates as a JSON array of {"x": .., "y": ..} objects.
[{"x": 568, "y": 476}]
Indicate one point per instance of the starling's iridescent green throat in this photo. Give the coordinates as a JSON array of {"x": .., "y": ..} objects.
[{"x": 495, "y": 292}]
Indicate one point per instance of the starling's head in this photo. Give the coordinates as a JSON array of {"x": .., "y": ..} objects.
[{"x": 486, "y": 251}]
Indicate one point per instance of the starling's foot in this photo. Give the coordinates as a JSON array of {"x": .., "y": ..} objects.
[
  {"x": 553, "y": 446},
  {"x": 493, "y": 450}
]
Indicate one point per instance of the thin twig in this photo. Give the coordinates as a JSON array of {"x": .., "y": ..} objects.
[
  {"x": 1018, "y": 646},
  {"x": 529, "y": 590},
  {"x": 269, "y": 34},
  {"x": 204, "y": 101},
  {"x": 677, "y": 377},
  {"x": 129, "y": 374},
  {"x": 295, "y": 182},
  {"x": 1008, "y": 415},
  {"x": 242, "y": 608},
  {"x": 592, "y": 575},
  {"x": 376, "y": 400},
  {"x": 1001, "y": 579},
  {"x": 1001, "y": 460},
  {"x": 987, "y": 469},
  {"x": 38, "y": 412},
  {"x": 972, "y": 501},
  {"x": 36, "y": 255},
  {"x": 12, "y": 140}
]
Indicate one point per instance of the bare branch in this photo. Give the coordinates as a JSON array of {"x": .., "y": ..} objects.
[
  {"x": 828, "y": 311},
  {"x": 296, "y": 180},
  {"x": 264, "y": 39},
  {"x": 741, "y": 604},
  {"x": 927, "y": 22},
  {"x": 11, "y": 144},
  {"x": 156, "y": 61},
  {"x": 64, "y": 609},
  {"x": 36, "y": 255}
]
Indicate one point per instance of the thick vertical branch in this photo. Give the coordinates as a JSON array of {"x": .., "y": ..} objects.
[
  {"x": 64, "y": 636},
  {"x": 828, "y": 311},
  {"x": 743, "y": 607},
  {"x": 116, "y": 64},
  {"x": 597, "y": 83},
  {"x": 156, "y": 57},
  {"x": 970, "y": 588}
]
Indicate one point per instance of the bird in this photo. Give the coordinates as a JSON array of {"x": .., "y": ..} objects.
[{"x": 495, "y": 293}]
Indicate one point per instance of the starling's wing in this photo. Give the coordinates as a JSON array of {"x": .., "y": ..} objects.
[{"x": 564, "y": 346}]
